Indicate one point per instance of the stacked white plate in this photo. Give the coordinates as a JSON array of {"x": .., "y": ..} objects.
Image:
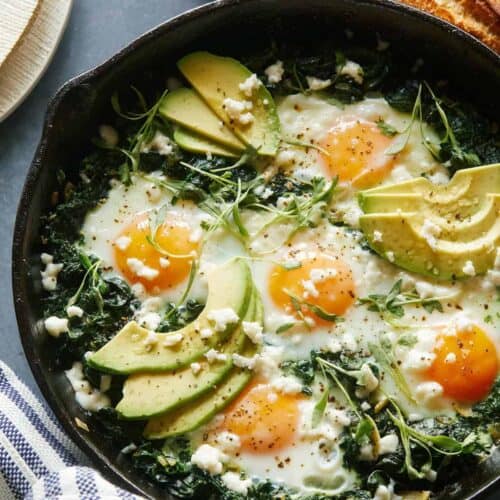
[{"x": 30, "y": 31}]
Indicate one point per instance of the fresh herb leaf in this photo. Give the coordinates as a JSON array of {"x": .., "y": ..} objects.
[
  {"x": 385, "y": 128},
  {"x": 319, "y": 409}
]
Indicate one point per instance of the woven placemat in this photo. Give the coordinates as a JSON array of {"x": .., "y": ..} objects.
[{"x": 26, "y": 63}]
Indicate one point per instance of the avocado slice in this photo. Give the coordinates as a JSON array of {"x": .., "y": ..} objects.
[
  {"x": 191, "y": 141},
  {"x": 131, "y": 350},
  {"x": 402, "y": 235},
  {"x": 185, "y": 107},
  {"x": 463, "y": 217},
  {"x": 218, "y": 78},
  {"x": 201, "y": 410},
  {"x": 149, "y": 394}
]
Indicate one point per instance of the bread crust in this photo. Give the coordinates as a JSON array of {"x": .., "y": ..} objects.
[{"x": 481, "y": 18}]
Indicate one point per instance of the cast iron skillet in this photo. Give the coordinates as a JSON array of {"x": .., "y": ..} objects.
[{"x": 225, "y": 26}]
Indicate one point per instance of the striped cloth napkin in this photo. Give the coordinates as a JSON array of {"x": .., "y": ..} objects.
[{"x": 37, "y": 460}]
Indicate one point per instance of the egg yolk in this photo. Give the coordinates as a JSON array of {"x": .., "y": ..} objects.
[
  {"x": 264, "y": 420},
  {"x": 466, "y": 364},
  {"x": 158, "y": 265},
  {"x": 356, "y": 153},
  {"x": 322, "y": 281}
]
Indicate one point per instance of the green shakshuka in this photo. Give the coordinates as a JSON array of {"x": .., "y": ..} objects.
[{"x": 279, "y": 278}]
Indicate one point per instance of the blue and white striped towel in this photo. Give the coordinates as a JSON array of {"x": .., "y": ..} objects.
[{"x": 37, "y": 460}]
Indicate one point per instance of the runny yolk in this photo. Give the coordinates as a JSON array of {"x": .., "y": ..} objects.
[
  {"x": 356, "y": 153},
  {"x": 323, "y": 281},
  {"x": 263, "y": 419},
  {"x": 466, "y": 364},
  {"x": 154, "y": 264}
]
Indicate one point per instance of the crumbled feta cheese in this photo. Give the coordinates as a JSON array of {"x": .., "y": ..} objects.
[
  {"x": 377, "y": 236},
  {"x": 309, "y": 289},
  {"x": 428, "y": 392},
  {"x": 196, "y": 235},
  {"x": 418, "y": 360},
  {"x": 222, "y": 318},
  {"x": 365, "y": 406},
  {"x": 316, "y": 83},
  {"x": 450, "y": 358},
  {"x": 238, "y": 111},
  {"x": 284, "y": 158},
  {"x": 390, "y": 256},
  {"x": 250, "y": 85},
  {"x": 354, "y": 70},
  {"x": 88, "y": 397},
  {"x": 244, "y": 362},
  {"x": 430, "y": 232},
  {"x": 172, "y": 339},
  {"x": 74, "y": 311},
  {"x": 208, "y": 458},
  {"x": 149, "y": 320},
  {"x": 319, "y": 275},
  {"x": 233, "y": 481},
  {"x": 164, "y": 263},
  {"x": 141, "y": 270},
  {"x": 123, "y": 242},
  {"x": 160, "y": 144},
  {"x": 55, "y": 326},
  {"x": 195, "y": 368},
  {"x": 469, "y": 269},
  {"x": 275, "y": 72},
  {"x": 50, "y": 273},
  {"x": 109, "y": 135},
  {"x": 439, "y": 177},
  {"x": 253, "y": 331},
  {"x": 212, "y": 355},
  {"x": 228, "y": 442},
  {"x": 206, "y": 333},
  {"x": 388, "y": 444},
  {"x": 150, "y": 340},
  {"x": 287, "y": 385}
]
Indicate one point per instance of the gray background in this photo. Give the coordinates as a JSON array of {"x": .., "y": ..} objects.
[{"x": 96, "y": 30}]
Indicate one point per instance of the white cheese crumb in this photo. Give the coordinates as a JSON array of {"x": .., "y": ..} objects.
[
  {"x": 212, "y": 355},
  {"x": 469, "y": 269},
  {"x": 319, "y": 275},
  {"x": 284, "y": 158},
  {"x": 149, "y": 320},
  {"x": 196, "y": 235},
  {"x": 388, "y": 444},
  {"x": 195, "y": 368},
  {"x": 208, "y": 458},
  {"x": 206, "y": 333},
  {"x": 309, "y": 289},
  {"x": 390, "y": 256},
  {"x": 253, "y": 331},
  {"x": 450, "y": 358},
  {"x": 50, "y": 273},
  {"x": 74, "y": 311},
  {"x": 109, "y": 135},
  {"x": 244, "y": 362},
  {"x": 238, "y": 111},
  {"x": 172, "y": 339},
  {"x": 160, "y": 144},
  {"x": 228, "y": 442},
  {"x": 275, "y": 72},
  {"x": 88, "y": 397},
  {"x": 430, "y": 232},
  {"x": 123, "y": 242},
  {"x": 141, "y": 270},
  {"x": 222, "y": 318},
  {"x": 164, "y": 263},
  {"x": 250, "y": 85},
  {"x": 377, "y": 236},
  {"x": 233, "y": 481},
  {"x": 55, "y": 326},
  {"x": 316, "y": 83},
  {"x": 286, "y": 385},
  {"x": 354, "y": 70}
]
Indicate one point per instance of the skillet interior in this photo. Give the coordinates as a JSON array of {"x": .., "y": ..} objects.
[{"x": 228, "y": 27}]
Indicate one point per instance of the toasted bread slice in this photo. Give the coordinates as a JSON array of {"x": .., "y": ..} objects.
[{"x": 480, "y": 18}]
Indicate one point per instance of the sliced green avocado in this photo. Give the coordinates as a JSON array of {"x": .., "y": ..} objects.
[
  {"x": 201, "y": 410},
  {"x": 191, "y": 141},
  {"x": 466, "y": 183},
  {"x": 135, "y": 349},
  {"x": 218, "y": 78},
  {"x": 404, "y": 243},
  {"x": 185, "y": 107},
  {"x": 149, "y": 394}
]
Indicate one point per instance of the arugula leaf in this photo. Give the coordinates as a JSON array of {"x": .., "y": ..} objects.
[{"x": 319, "y": 408}]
